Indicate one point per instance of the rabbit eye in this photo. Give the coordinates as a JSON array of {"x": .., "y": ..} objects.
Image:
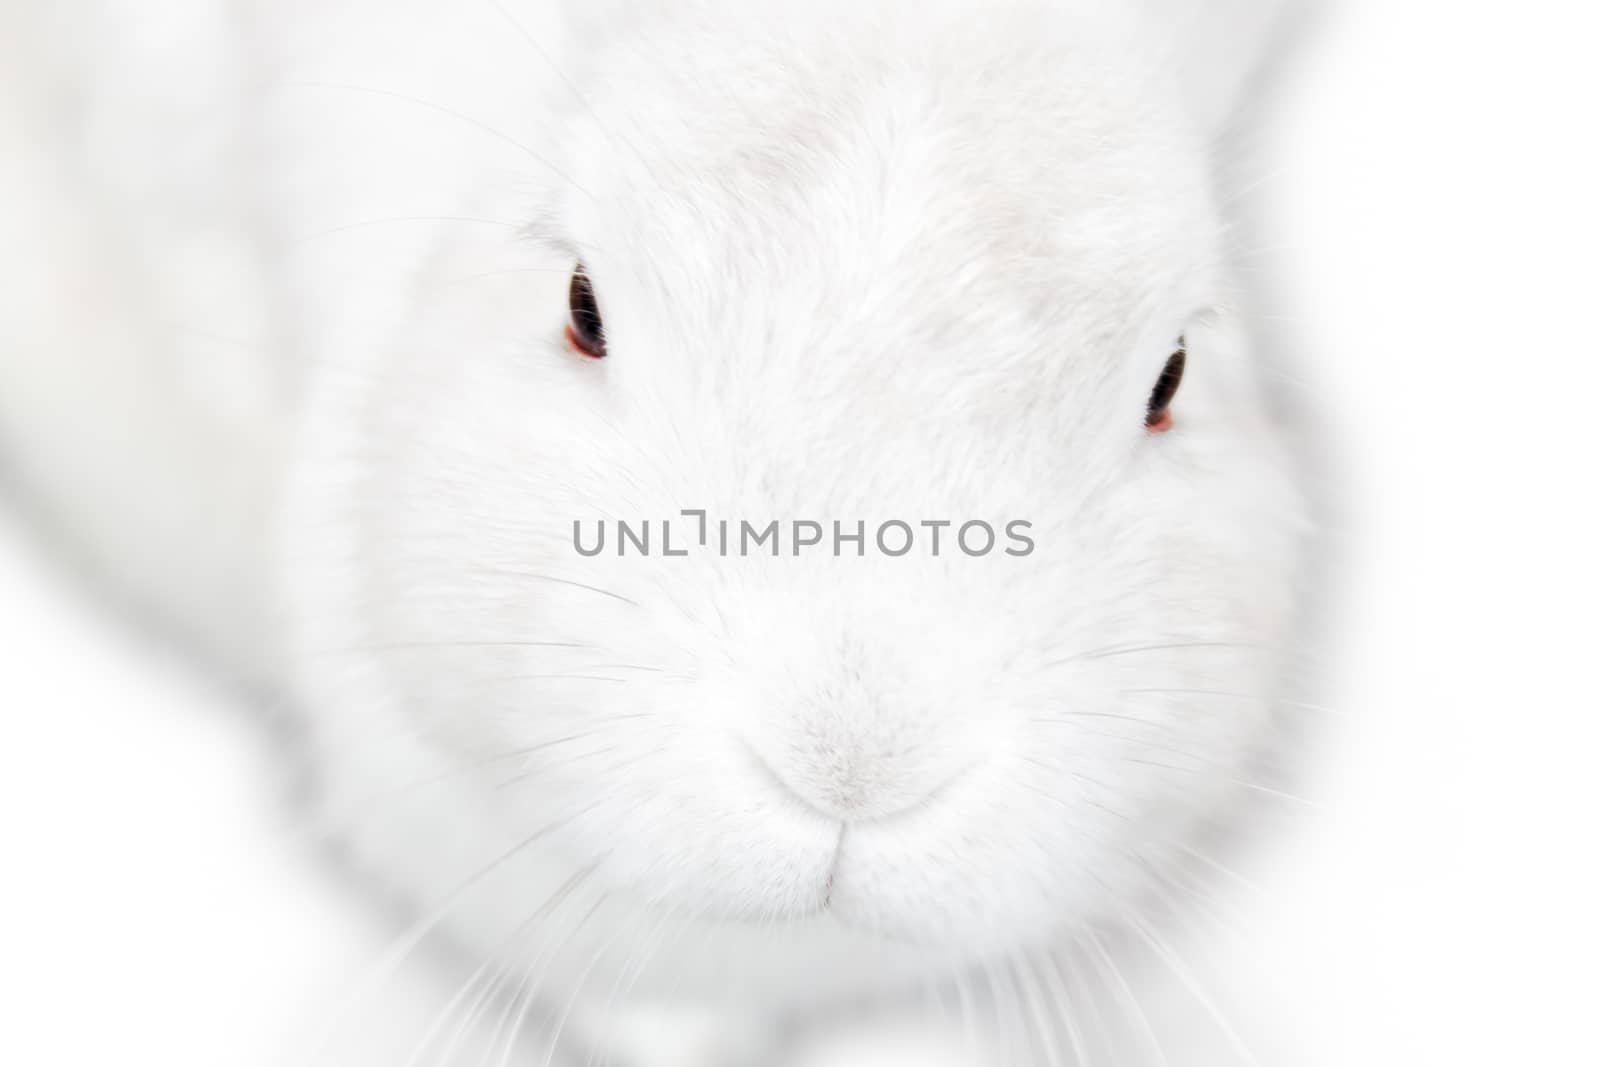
[
  {"x": 585, "y": 333},
  {"x": 1158, "y": 416}
]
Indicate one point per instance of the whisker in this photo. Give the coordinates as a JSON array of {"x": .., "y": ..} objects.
[
  {"x": 628, "y": 977},
  {"x": 562, "y": 581},
  {"x": 552, "y": 678},
  {"x": 1130, "y": 1000},
  {"x": 577, "y": 991},
  {"x": 418, "y": 646},
  {"x": 1095, "y": 1016},
  {"x": 1045, "y": 1027},
  {"x": 1165, "y": 953},
  {"x": 502, "y": 969},
  {"x": 372, "y": 801},
  {"x": 1056, "y": 980},
  {"x": 452, "y": 113},
  {"x": 1128, "y": 650},
  {"x": 366, "y": 223},
  {"x": 582, "y": 757},
  {"x": 1090, "y": 801},
  {"x": 965, "y": 1009},
  {"x": 468, "y": 278},
  {"x": 521, "y": 1006},
  {"x": 560, "y": 73},
  {"x": 514, "y": 1013},
  {"x": 1144, "y": 742},
  {"x": 1065, "y": 719},
  {"x": 1236, "y": 696},
  {"x": 1228, "y": 779},
  {"x": 414, "y": 935},
  {"x": 1226, "y": 872}
]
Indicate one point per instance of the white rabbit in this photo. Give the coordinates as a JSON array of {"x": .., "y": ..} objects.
[{"x": 894, "y": 262}]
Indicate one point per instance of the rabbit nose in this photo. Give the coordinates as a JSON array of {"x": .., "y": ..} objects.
[{"x": 856, "y": 777}]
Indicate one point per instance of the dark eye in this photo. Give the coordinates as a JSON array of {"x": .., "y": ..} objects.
[
  {"x": 585, "y": 333},
  {"x": 1158, "y": 416}
]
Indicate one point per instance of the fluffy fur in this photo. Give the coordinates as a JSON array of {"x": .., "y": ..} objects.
[{"x": 889, "y": 261}]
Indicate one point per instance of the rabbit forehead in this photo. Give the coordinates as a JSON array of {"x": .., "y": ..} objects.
[
  {"x": 775, "y": 143},
  {"x": 949, "y": 191}
]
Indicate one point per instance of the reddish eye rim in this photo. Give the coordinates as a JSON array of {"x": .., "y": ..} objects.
[{"x": 576, "y": 344}]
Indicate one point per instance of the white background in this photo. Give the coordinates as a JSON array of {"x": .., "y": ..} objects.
[{"x": 1431, "y": 204}]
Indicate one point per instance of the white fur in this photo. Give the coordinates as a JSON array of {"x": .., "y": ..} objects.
[{"x": 919, "y": 261}]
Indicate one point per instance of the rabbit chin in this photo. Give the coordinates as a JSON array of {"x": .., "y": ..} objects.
[
  {"x": 829, "y": 904},
  {"x": 877, "y": 909}
]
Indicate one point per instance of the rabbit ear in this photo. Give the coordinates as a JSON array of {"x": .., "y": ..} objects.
[{"x": 1219, "y": 47}]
